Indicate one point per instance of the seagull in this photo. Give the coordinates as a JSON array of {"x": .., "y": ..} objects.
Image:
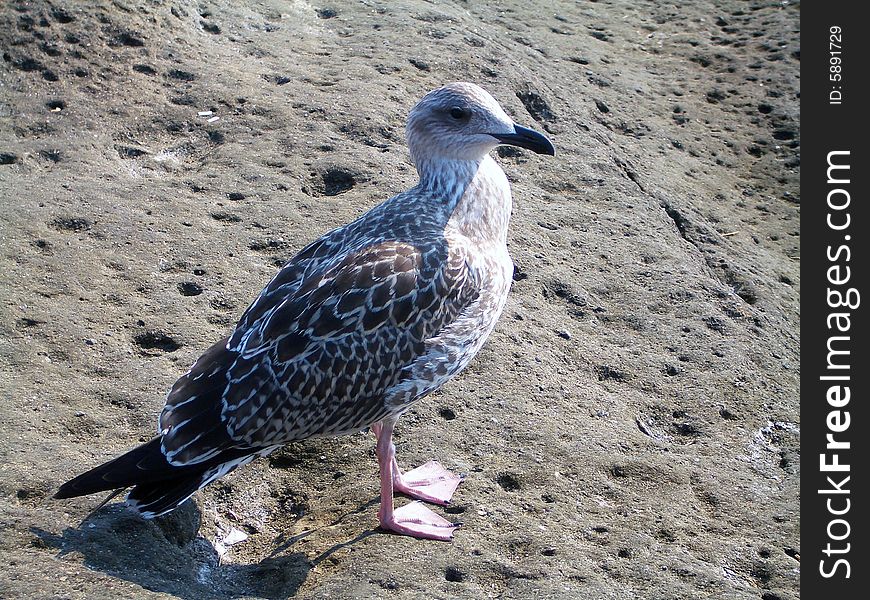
[{"x": 351, "y": 332}]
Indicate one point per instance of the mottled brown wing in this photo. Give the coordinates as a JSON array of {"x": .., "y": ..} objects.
[
  {"x": 283, "y": 285},
  {"x": 322, "y": 361}
]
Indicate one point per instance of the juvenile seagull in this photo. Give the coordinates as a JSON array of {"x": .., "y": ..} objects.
[{"x": 354, "y": 329}]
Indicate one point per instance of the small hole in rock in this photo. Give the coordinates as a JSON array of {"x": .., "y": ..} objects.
[
  {"x": 189, "y": 288},
  {"x": 509, "y": 482},
  {"x": 447, "y": 413},
  {"x": 155, "y": 340}
]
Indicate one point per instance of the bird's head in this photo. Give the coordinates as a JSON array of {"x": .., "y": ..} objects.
[{"x": 461, "y": 121}]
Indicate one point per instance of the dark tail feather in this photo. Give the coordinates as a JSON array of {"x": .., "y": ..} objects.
[
  {"x": 158, "y": 486},
  {"x": 144, "y": 464},
  {"x": 159, "y": 497},
  {"x": 153, "y": 499}
]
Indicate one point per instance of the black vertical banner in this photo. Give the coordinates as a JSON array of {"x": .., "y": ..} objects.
[{"x": 835, "y": 56}]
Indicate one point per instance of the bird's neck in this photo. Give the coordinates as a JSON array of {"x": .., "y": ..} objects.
[{"x": 474, "y": 194}]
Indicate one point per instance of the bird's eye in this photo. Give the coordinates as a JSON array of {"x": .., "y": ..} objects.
[{"x": 459, "y": 113}]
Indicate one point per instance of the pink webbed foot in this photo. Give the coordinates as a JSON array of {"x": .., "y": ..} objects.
[
  {"x": 417, "y": 521},
  {"x": 430, "y": 482}
]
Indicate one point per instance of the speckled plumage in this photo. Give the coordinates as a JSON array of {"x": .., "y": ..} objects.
[{"x": 364, "y": 321}]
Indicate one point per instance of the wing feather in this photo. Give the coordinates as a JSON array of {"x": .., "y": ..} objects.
[
  {"x": 322, "y": 360},
  {"x": 321, "y": 350}
]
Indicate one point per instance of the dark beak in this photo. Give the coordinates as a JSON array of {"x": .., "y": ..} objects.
[{"x": 526, "y": 138}]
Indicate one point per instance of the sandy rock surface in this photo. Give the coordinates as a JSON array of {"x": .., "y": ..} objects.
[{"x": 631, "y": 428}]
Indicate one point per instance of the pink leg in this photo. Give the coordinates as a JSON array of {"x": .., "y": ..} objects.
[
  {"x": 430, "y": 482},
  {"x": 413, "y": 519}
]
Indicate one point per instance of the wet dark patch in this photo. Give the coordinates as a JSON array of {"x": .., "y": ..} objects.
[
  {"x": 666, "y": 535},
  {"x": 42, "y": 245},
  {"x": 222, "y": 303},
  {"x": 74, "y": 224},
  {"x": 151, "y": 341},
  {"x": 577, "y": 303},
  {"x": 277, "y": 79},
  {"x": 130, "y": 152},
  {"x": 50, "y": 49},
  {"x": 744, "y": 288},
  {"x": 686, "y": 429},
  {"x": 61, "y": 16},
  {"x": 27, "y": 322},
  {"x": 127, "y": 38},
  {"x": 762, "y": 574},
  {"x": 446, "y": 413},
  {"x": 54, "y": 156},
  {"x": 606, "y": 372},
  {"x": 26, "y": 63},
  {"x": 189, "y": 288},
  {"x": 31, "y": 494},
  {"x": 536, "y": 105},
  {"x": 183, "y": 100},
  {"x": 181, "y": 75},
  {"x": 388, "y": 584},
  {"x": 331, "y": 181},
  {"x": 509, "y": 482},
  {"x": 672, "y": 370},
  {"x": 509, "y": 152},
  {"x": 269, "y": 245},
  {"x": 715, "y": 96},
  {"x": 755, "y": 150},
  {"x": 226, "y": 217},
  {"x": 715, "y": 323},
  {"x": 727, "y": 414}
]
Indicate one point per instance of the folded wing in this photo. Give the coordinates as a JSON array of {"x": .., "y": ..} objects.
[{"x": 321, "y": 358}]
